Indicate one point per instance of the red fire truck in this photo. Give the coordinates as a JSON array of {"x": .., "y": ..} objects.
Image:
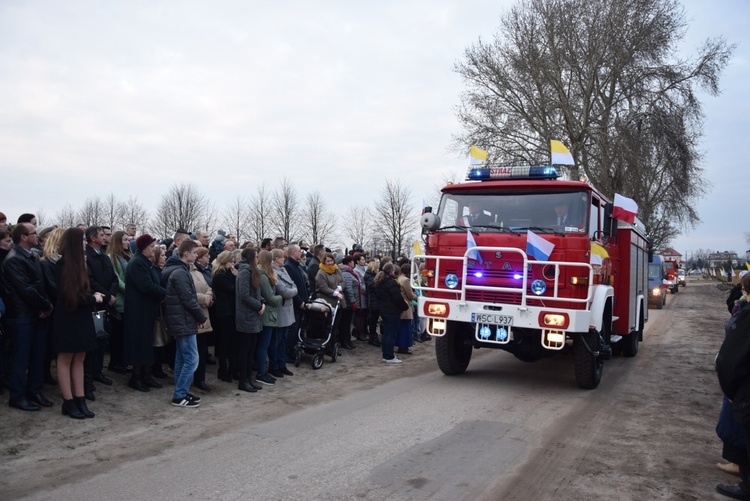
[{"x": 481, "y": 287}]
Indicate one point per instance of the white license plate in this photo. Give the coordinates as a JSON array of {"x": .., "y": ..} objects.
[{"x": 490, "y": 318}]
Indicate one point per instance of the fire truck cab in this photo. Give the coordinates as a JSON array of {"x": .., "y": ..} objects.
[{"x": 482, "y": 288}]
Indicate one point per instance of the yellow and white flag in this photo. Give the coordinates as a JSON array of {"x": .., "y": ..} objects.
[
  {"x": 478, "y": 156},
  {"x": 559, "y": 154}
]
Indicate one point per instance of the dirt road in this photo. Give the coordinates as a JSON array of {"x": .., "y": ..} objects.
[{"x": 645, "y": 433}]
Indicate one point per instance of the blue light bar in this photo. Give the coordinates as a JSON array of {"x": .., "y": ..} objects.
[{"x": 512, "y": 172}]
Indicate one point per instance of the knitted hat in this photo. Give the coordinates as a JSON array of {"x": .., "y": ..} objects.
[{"x": 144, "y": 241}]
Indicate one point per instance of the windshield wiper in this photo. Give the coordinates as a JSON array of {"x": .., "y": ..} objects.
[
  {"x": 496, "y": 227},
  {"x": 452, "y": 228},
  {"x": 537, "y": 228}
]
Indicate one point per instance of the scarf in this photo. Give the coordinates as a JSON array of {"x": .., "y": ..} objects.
[{"x": 330, "y": 269}]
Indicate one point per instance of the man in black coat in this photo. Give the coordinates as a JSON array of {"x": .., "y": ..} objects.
[
  {"x": 294, "y": 268},
  {"x": 103, "y": 279},
  {"x": 184, "y": 317},
  {"x": 314, "y": 265},
  {"x": 28, "y": 308}
]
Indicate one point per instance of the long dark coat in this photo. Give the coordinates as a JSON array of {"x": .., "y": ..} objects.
[
  {"x": 143, "y": 294},
  {"x": 73, "y": 331}
]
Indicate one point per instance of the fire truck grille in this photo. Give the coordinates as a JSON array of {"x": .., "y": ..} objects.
[{"x": 494, "y": 297}]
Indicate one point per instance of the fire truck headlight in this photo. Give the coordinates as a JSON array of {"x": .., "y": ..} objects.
[
  {"x": 555, "y": 320},
  {"x": 437, "y": 309},
  {"x": 451, "y": 281},
  {"x": 538, "y": 287}
]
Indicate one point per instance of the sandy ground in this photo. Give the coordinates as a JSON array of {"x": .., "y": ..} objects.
[
  {"x": 41, "y": 450},
  {"x": 647, "y": 434}
]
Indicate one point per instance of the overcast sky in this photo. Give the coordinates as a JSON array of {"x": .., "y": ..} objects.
[{"x": 131, "y": 97}]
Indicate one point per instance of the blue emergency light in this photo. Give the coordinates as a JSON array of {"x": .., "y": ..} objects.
[{"x": 512, "y": 172}]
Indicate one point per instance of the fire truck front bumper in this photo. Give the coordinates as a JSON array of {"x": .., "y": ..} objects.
[{"x": 495, "y": 323}]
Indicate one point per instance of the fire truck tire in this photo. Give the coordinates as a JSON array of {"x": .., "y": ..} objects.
[
  {"x": 630, "y": 342},
  {"x": 453, "y": 350},
  {"x": 588, "y": 366}
]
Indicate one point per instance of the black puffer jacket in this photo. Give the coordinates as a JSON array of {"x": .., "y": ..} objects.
[
  {"x": 25, "y": 292},
  {"x": 183, "y": 313},
  {"x": 372, "y": 298},
  {"x": 389, "y": 297}
]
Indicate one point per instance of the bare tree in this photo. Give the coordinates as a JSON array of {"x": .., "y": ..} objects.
[
  {"x": 317, "y": 221},
  {"x": 111, "y": 211},
  {"x": 433, "y": 197},
  {"x": 66, "y": 217},
  {"x": 601, "y": 76},
  {"x": 260, "y": 212},
  {"x": 182, "y": 207},
  {"x": 236, "y": 218},
  {"x": 133, "y": 213},
  {"x": 395, "y": 218},
  {"x": 285, "y": 214},
  {"x": 41, "y": 217},
  {"x": 210, "y": 219},
  {"x": 91, "y": 212},
  {"x": 357, "y": 225}
]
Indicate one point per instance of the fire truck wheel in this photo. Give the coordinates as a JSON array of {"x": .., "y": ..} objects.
[
  {"x": 453, "y": 350},
  {"x": 631, "y": 342},
  {"x": 588, "y": 366}
]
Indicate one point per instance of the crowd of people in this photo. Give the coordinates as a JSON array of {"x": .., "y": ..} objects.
[{"x": 89, "y": 301}]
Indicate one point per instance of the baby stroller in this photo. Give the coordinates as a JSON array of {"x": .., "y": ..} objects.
[{"x": 315, "y": 335}]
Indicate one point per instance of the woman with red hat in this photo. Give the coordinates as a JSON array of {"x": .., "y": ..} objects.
[{"x": 143, "y": 294}]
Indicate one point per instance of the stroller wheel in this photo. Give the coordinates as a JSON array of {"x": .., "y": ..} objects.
[
  {"x": 334, "y": 352},
  {"x": 317, "y": 361},
  {"x": 298, "y": 357}
]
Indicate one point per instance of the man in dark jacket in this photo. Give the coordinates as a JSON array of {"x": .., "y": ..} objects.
[
  {"x": 102, "y": 279},
  {"x": 184, "y": 317},
  {"x": 733, "y": 370},
  {"x": 294, "y": 268},
  {"x": 27, "y": 311},
  {"x": 314, "y": 265}
]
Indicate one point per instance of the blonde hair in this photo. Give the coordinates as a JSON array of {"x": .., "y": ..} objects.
[
  {"x": 374, "y": 266},
  {"x": 264, "y": 261},
  {"x": 52, "y": 244},
  {"x": 221, "y": 262}
]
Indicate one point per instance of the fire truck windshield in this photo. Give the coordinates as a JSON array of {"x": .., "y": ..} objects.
[{"x": 501, "y": 211}]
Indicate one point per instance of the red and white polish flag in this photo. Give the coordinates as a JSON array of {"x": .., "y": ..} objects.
[{"x": 625, "y": 209}]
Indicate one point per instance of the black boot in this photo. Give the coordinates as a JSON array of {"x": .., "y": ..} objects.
[
  {"x": 137, "y": 384},
  {"x": 245, "y": 386},
  {"x": 69, "y": 408},
  {"x": 88, "y": 388},
  {"x": 81, "y": 404}
]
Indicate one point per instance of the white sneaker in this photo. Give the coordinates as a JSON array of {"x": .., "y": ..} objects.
[{"x": 394, "y": 360}]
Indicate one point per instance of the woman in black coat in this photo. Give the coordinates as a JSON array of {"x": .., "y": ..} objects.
[
  {"x": 373, "y": 306},
  {"x": 391, "y": 305},
  {"x": 224, "y": 287},
  {"x": 73, "y": 332},
  {"x": 143, "y": 295}
]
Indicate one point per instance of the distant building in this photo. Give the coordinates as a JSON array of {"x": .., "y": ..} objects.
[
  {"x": 719, "y": 258},
  {"x": 671, "y": 255}
]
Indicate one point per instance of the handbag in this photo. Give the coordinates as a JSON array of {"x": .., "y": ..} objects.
[{"x": 100, "y": 320}]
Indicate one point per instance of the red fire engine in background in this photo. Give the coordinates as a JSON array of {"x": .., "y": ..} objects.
[{"x": 481, "y": 289}]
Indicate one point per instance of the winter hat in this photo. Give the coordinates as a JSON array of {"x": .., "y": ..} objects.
[{"x": 144, "y": 241}]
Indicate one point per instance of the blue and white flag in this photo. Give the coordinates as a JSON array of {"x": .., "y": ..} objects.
[
  {"x": 537, "y": 247},
  {"x": 475, "y": 255}
]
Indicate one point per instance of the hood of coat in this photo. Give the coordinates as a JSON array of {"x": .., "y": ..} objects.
[{"x": 243, "y": 265}]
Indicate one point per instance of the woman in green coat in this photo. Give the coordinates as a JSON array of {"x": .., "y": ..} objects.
[{"x": 270, "y": 315}]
